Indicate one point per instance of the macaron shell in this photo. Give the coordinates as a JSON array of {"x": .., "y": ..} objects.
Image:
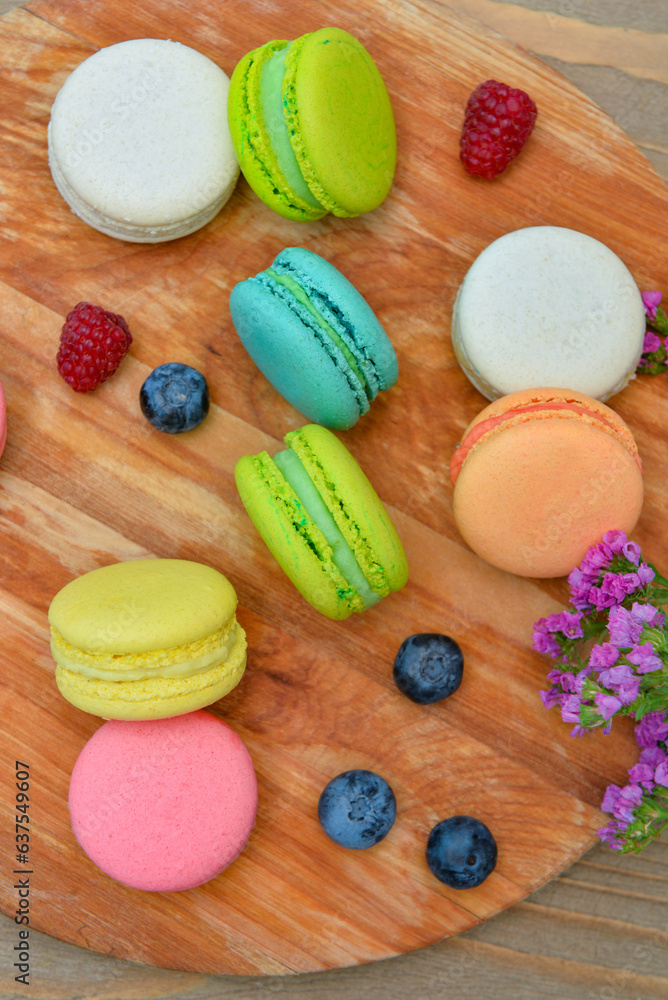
[
  {"x": 533, "y": 498},
  {"x": 340, "y": 120},
  {"x": 300, "y": 359},
  {"x": 155, "y": 697},
  {"x": 307, "y": 371},
  {"x": 594, "y": 410},
  {"x": 142, "y": 605},
  {"x": 355, "y": 506},
  {"x": 132, "y": 794},
  {"x": 139, "y": 144},
  {"x": 254, "y": 152},
  {"x": 346, "y": 309},
  {"x": 546, "y": 305},
  {"x": 294, "y": 540}
]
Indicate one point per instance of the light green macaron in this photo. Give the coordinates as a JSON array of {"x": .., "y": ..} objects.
[
  {"x": 323, "y": 522},
  {"x": 312, "y": 126}
]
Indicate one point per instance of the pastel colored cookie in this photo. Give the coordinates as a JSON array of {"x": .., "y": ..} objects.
[
  {"x": 540, "y": 476},
  {"x": 312, "y": 126},
  {"x": 314, "y": 336},
  {"x": 323, "y": 522},
  {"x": 164, "y": 805},
  {"x": 548, "y": 306},
  {"x": 139, "y": 145},
  {"x": 147, "y": 639},
  {"x": 3, "y": 420}
]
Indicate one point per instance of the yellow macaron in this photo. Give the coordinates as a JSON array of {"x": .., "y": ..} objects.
[{"x": 147, "y": 639}]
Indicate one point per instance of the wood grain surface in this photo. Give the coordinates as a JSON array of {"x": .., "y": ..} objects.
[{"x": 88, "y": 472}]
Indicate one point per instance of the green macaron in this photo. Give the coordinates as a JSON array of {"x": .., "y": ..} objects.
[
  {"x": 323, "y": 522},
  {"x": 312, "y": 126}
]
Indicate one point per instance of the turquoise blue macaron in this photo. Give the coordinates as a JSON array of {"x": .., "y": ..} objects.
[{"x": 314, "y": 337}]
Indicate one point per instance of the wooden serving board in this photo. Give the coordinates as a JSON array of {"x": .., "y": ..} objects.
[{"x": 85, "y": 481}]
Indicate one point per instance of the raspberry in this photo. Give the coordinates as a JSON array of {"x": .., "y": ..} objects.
[
  {"x": 93, "y": 342},
  {"x": 497, "y": 122}
]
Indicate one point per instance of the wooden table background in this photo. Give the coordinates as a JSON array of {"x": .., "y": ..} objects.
[{"x": 600, "y": 930}]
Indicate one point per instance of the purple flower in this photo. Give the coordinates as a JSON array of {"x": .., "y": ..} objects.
[
  {"x": 651, "y": 300},
  {"x": 587, "y": 574},
  {"x": 651, "y": 343},
  {"x": 604, "y": 655},
  {"x": 601, "y": 599},
  {"x": 652, "y": 756},
  {"x": 632, "y": 552},
  {"x": 616, "y": 676},
  {"x": 626, "y": 627},
  {"x": 615, "y": 587},
  {"x": 615, "y": 541},
  {"x": 550, "y": 698},
  {"x": 545, "y": 643},
  {"x": 646, "y": 614},
  {"x": 642, "y": 774},
  {"x": 580, "y": 586},
  {"x": 572, "y": 624},
  {"x": 621, "y": 626},
  {"x": 569, "y": 683},
  {"x": 645, "y": 574},
  {"x": 627, "y": 802},
  {"x": 628, "y": 690},
  {"x": 566, "y": 622},
  {"x": 610, "y": 797},
  {"x": 598, "y": 557},
  {"x": 618, "y": 586},
  {"x": 645, "y": 658},
  {"x": 661, "y": 773},
  {"x": 607, "y": 704},
  {"x": 570, "y": 708},
  {"x": 651, "y": 729},
  {"x": 609, "y": 835}
]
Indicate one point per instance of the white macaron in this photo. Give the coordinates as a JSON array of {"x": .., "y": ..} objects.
[
  {"x": 548, "y": 306},
  {"x": 139, "y": 145}
]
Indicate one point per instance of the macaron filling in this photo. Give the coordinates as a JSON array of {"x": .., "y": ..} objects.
[
  {"x": 181, "y": 661},
  {"x": 485, "y": 427},
  {"x": 302, "y": 298},
  {"x": 352, "y": 319},
  {"x": 330, "y": 341},
  {"x": 343, "y": 556},
  {"x": 344, "y": 82},
  {"x": 273, "y": 115}
]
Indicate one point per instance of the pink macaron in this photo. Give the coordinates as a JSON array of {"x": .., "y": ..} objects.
[
  {"x": 3, "y": 421},
  {"x": 165, "y": 804}
]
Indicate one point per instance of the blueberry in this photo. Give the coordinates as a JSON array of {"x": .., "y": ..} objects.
[
  {"x": 174, "y": 398},
  {"x": 428, "y": 667},
  {"x": 461, "y": 852},
  {"x": 357, "y": 809}
]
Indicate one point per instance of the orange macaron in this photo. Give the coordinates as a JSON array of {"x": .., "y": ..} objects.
[{"x": 540, "y": 475}]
